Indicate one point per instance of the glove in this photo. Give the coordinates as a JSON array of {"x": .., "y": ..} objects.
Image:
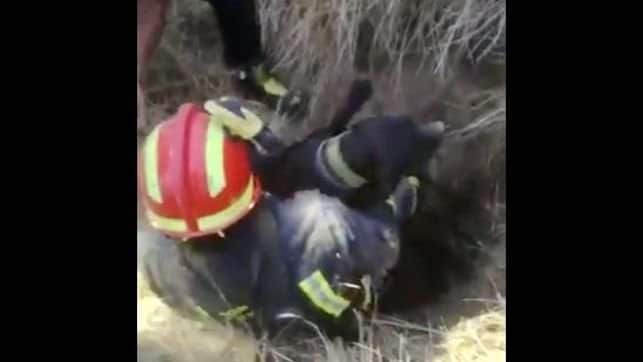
[
  {"x": 232, "y": 113},
  {"x": 403, "y": 200}
]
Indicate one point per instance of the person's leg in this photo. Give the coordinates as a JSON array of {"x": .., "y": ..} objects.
[
  {"x": 150, "y": 24},
  {"x": 243, "y": 52},
  {"x": 151, "y": 21},
  {"x": 240, "y": 31},
  {"x": 141, "y": 111}
]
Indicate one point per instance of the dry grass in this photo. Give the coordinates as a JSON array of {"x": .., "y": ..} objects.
[
  {"x": 165, "y": 336},
  {"x": 482, "y": 338},
  {"x": 321, "y": 45},
  {"x": 413, "y": 50},
  {"x": 468, "y": 324},
  {"x": 391, "y": 31}
]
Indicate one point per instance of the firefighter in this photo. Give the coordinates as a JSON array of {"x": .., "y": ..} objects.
[
  {"x": 228, "y": 250},
  {"x": 242, "y": 52}
]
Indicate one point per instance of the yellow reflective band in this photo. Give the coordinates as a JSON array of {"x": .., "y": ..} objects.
[
  {"x": 151, "y": 161},
  {"x": 244, "y": 127},
  {"x": 164, "y": 223},
  {"x": 214, "y": 165},
  {"x": 321, "y": 294},
  {"x": 233, "y": 211},
  {"x": 339, "y": 166},
  {"x": 272, "y": 86}
]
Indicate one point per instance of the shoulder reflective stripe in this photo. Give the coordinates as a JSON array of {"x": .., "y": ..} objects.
[
  {"x": 339, "y": 166},
  {"x": 233, "y": 211},
  {"x": 321, "y": 294},
  {"x": 214, "y": 165},
  {"x": 164, "y": 223},
  {"x": 151, "y": 161},
  {"x": 272, "y": 86}
]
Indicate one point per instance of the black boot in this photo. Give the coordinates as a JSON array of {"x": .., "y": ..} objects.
[{"x": 258, "y": 83}]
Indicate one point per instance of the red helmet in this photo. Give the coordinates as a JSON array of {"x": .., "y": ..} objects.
[{"x": 194, "y": 178}]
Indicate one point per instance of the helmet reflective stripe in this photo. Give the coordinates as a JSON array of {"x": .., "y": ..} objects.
[
  {"x": 225, "y": 217},
  {"x": 214, "y": 165},
  {"x": 167, "y": 224},
  {"x": 321, "y": 294},
  {"x": 339, "y": 166},
  {"x": 151, "y": 160}
]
